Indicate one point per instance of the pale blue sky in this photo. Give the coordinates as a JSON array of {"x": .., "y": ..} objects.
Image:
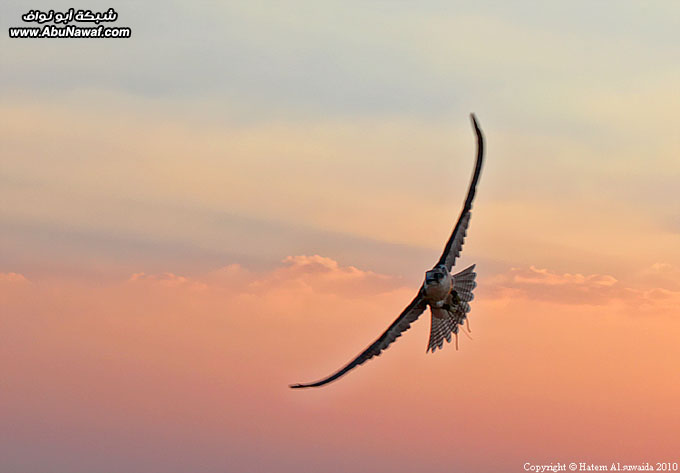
[{"x": 346, "y": 102}]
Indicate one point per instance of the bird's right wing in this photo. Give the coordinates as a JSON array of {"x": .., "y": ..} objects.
[
  {"x": 394, "y": 331},
  {"x": 455, "y": 243}
]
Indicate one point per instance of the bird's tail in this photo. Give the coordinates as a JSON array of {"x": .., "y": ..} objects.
[{"x": 445, "y": 321}]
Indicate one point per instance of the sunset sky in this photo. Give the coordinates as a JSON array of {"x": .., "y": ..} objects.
[{"x": 243, "y": 195}]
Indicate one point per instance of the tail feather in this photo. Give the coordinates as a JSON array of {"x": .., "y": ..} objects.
[{"x": 446, "y": 322}]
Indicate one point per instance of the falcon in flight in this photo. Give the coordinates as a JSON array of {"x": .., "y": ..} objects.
[{"x": 448, "y": 295}]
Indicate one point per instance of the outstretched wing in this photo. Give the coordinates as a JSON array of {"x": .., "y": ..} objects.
[
  {"x": 394, "y": 331},
  {"x": 455, "y": 243}
]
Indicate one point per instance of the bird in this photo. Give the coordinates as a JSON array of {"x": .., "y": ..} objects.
[{"x": 447, "y": 295}]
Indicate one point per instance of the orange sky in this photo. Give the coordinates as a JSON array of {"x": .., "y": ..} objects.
[
  {"x": 178, "y": 372},
  {"x": 244, "y": 195}
]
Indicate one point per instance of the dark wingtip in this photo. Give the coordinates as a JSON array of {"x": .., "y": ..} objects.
[
  {"x": 473, "y": 118},
  {"x": 296, "y": 386}
]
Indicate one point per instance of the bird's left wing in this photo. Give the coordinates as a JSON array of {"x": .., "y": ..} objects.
[
  {"x": 455, "y": 243},
  {"x": 394, "y": 331}
]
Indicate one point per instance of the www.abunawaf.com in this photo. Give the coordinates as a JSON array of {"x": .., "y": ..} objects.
[{"x": 70, "y": 31}]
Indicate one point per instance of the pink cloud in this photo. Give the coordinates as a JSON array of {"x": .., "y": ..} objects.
[
  {"x": 592, "y": 289},
  {"x": 165, "y": 279},
  {"x": 325, "y": 275},
  {"x": 661, "y": 275},
  {"x": 313, "y": 274},
  {"x": 537, "y": 276},
  {"x": 12, "y": 278}
]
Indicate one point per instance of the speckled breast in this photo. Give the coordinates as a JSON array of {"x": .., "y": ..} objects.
[{"x": 439, "y": 291}]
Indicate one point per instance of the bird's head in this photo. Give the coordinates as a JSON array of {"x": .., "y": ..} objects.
[{"x": 435, "y": 275}]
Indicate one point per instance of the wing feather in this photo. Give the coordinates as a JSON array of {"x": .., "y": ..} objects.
[
  {"x": 455, "y": 243},
  {"x": 409, "y": 315}
]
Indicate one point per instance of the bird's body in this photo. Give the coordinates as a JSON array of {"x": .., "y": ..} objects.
[
  {"x": 449, "y": 309},
  {"x": 445, "y": 293},
  {"x": 437, "y": 286}
]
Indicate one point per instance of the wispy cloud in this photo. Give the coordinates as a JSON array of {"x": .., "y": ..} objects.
[
  {"x": 12, "y": 278},
  {"x": 645, "y": 295}
]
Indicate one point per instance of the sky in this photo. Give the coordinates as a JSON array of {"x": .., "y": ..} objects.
[{"x": 243, "y": 195}]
